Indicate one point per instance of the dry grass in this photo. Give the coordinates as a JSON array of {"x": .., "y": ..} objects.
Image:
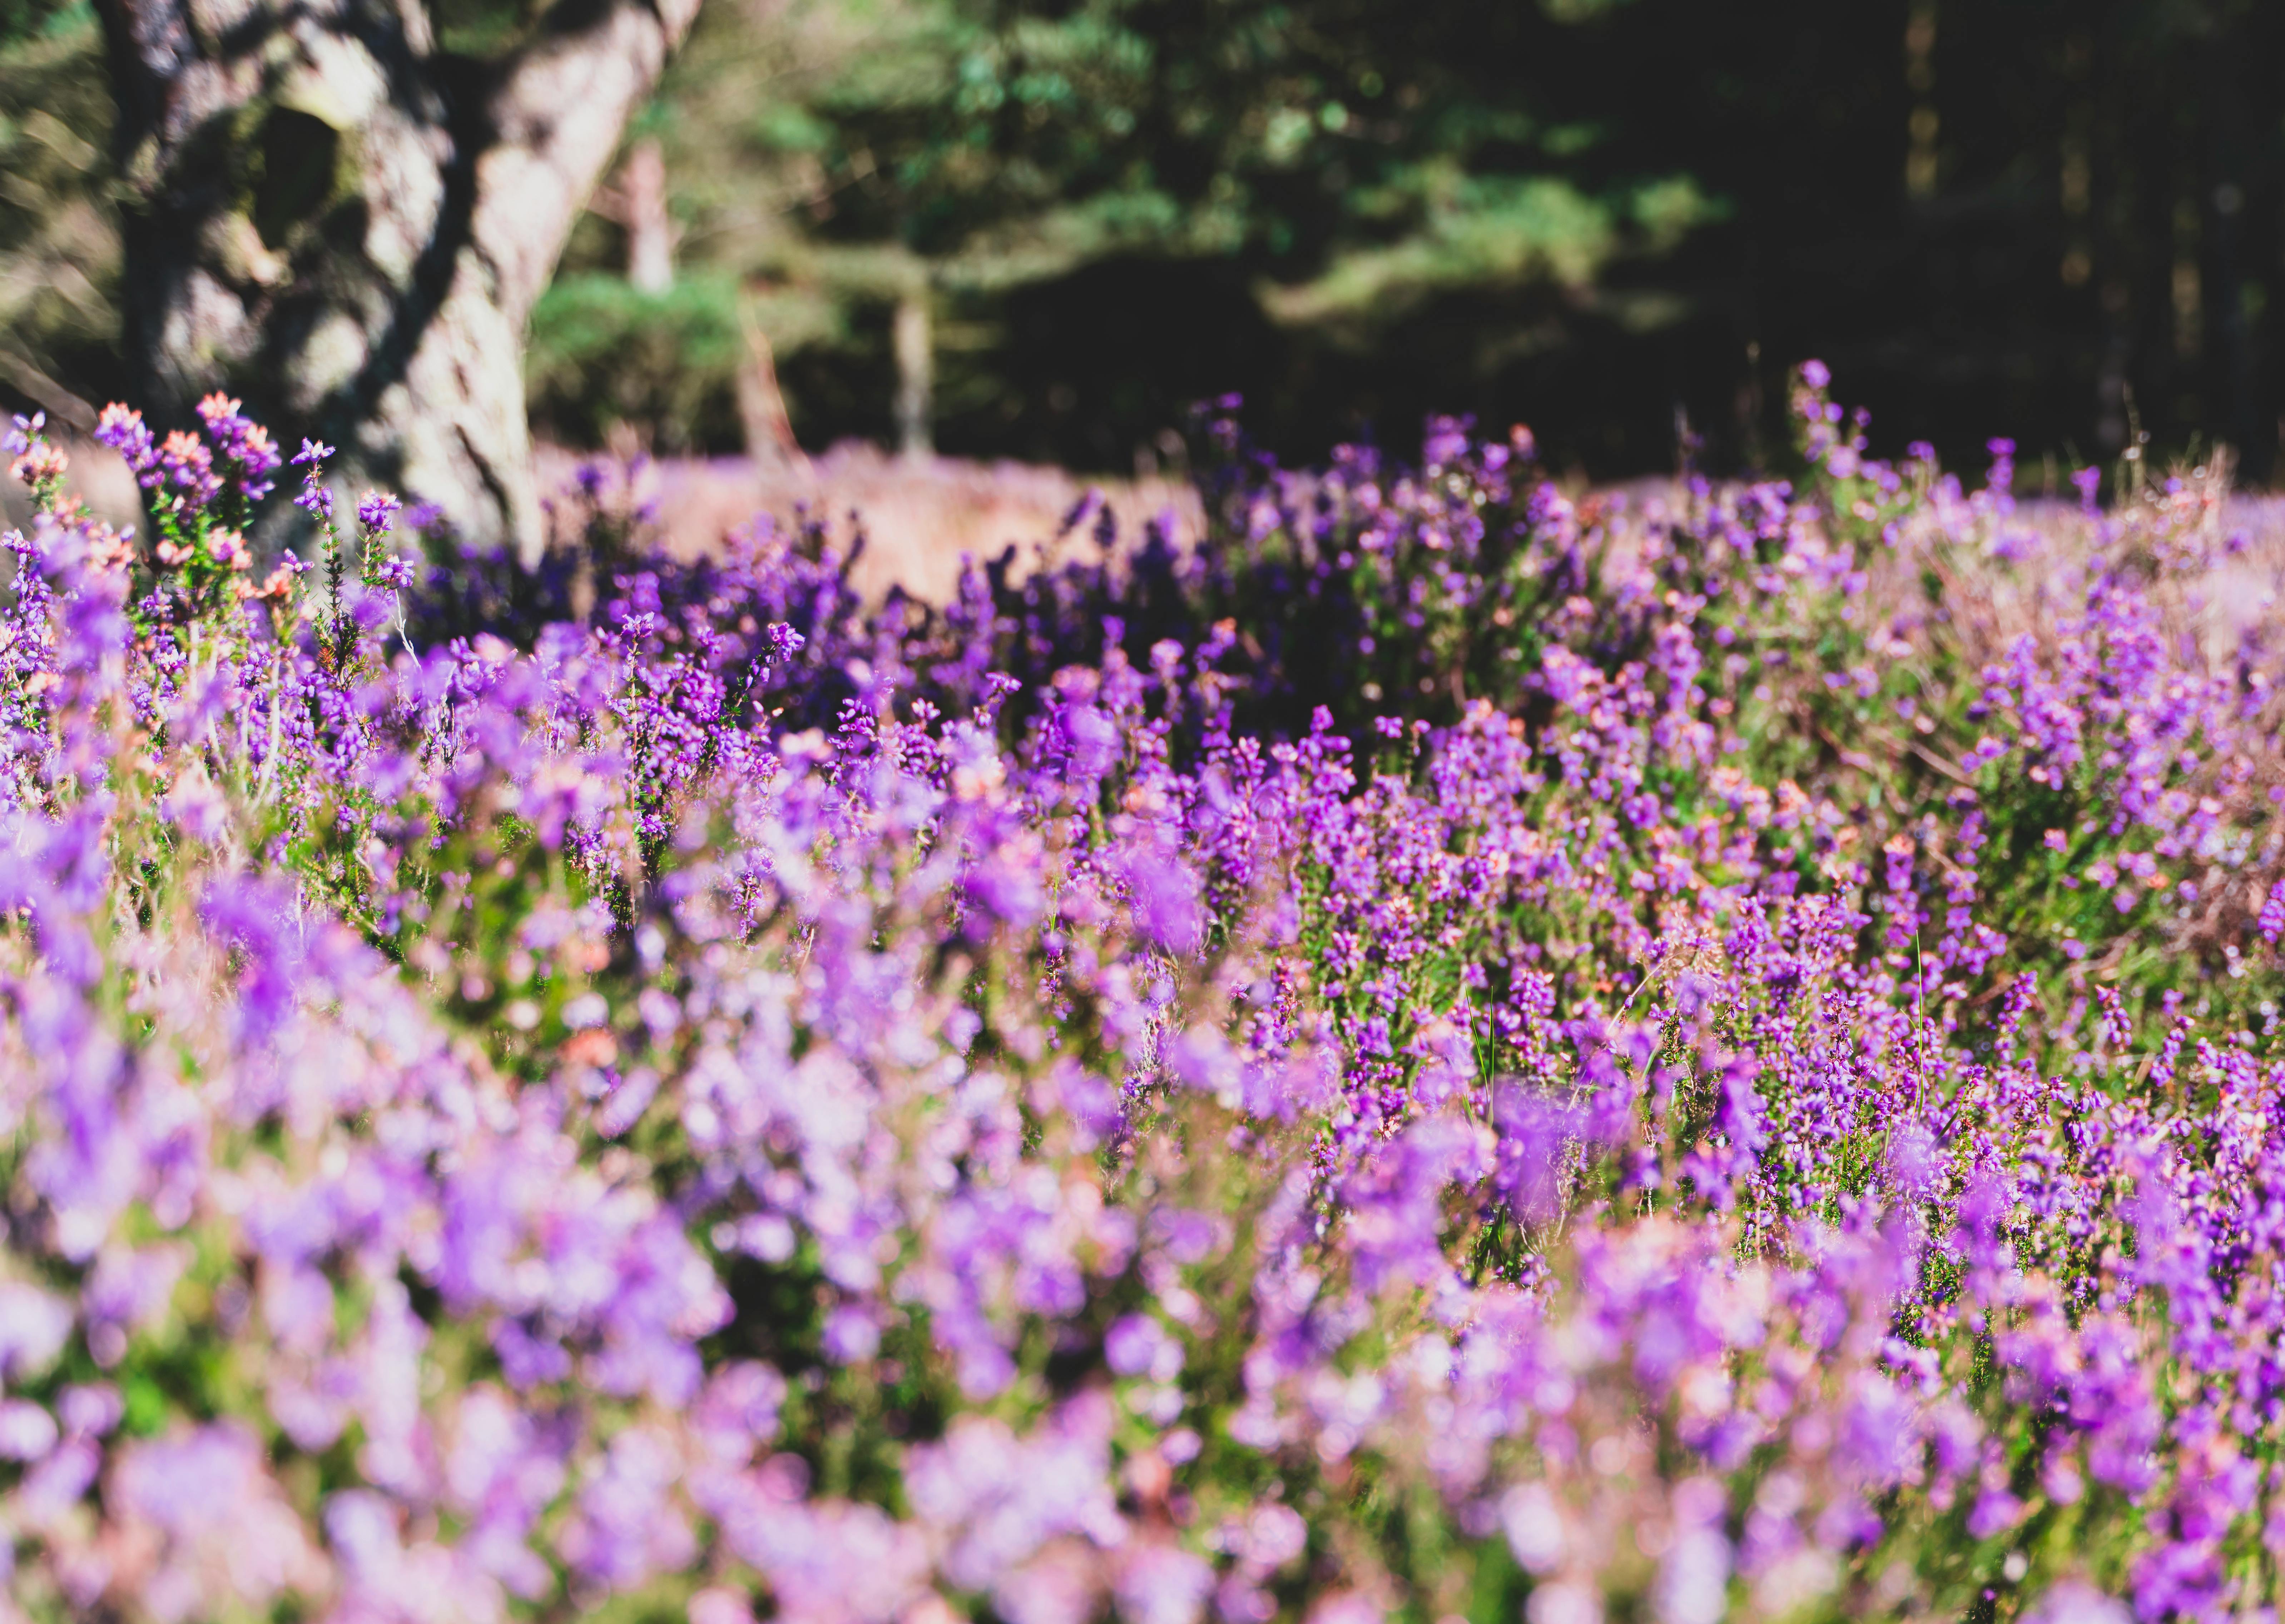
[{"x": 919, "y": 516}]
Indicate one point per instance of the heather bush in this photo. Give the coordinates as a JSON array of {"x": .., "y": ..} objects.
[{"x": 1453, "y": 1050}]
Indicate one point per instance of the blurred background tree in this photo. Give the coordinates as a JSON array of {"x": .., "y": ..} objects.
[
  {"x": 1041, "y": 228},
  {"x": 344, "y": 211},
  {"x": 58, "y": 229}
]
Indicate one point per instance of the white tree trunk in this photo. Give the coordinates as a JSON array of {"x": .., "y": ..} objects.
[
  {"x": 916, "y": 374},
  {"x": 333, "y": 220},
  {"x": 651, "y": 232}
]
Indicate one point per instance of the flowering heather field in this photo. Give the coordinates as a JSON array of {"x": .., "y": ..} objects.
[{"x": 1444, "y": 1053}]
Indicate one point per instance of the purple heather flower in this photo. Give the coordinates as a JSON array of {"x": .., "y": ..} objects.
[
  {"x": 241, "y": 444},
  {"x": 377, "y": 511},
  {"x": 2075, "y": 1602},
  {"x": 34, "y": 1326},
  {"x": 1139, "y": 1346},
  {"x": 1161, "y": 1584},
  {"x": 648, "y": 1020},
  {"x": 89, "y": 1409},
  {"x": 27, "y": 1430},
  {"x": 2272, "y": 922},
  {"x": 1168, "y": 906},
  {"x": 851, "y": 1335},
  {"x": 126, "y": 432}
]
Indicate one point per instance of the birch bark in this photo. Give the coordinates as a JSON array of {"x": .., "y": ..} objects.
[{"x": 349, "y": 227}]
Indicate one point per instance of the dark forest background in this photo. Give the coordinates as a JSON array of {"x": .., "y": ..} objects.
[{"x": 1041, "y": 230}]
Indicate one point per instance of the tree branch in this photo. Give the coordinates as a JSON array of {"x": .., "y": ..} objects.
[{"x": 557, "y": 116}]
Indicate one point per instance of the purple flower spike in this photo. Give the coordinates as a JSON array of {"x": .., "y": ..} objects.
[
  {"x": 377, "y": 511},
  {"x": 1625, "y": 1026}
]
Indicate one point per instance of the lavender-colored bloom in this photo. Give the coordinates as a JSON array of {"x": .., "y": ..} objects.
[
  {"x": 1161, "y": 1584},
  {"x": 2074, "y": 1602},
  {"x": 376, "y": 512},
  {"x": 34, "y": 1326},
  {"x": 626, "y": 1526},
  {"x": 601, "y": 1089},
  {"x": 256, "y": 917},
  {"x": 91, "y": 1409},
  {"x": 27, "y": 1430},
  {"x": 242, "y": 444},
  {"x": 125, "y": 432},
  {"x": 224, "y": 1536},
  {"x": 1168, "y": 908},
  {"x": 1139, "y": 1346},
  {"x": 851, "y": 1335}
]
